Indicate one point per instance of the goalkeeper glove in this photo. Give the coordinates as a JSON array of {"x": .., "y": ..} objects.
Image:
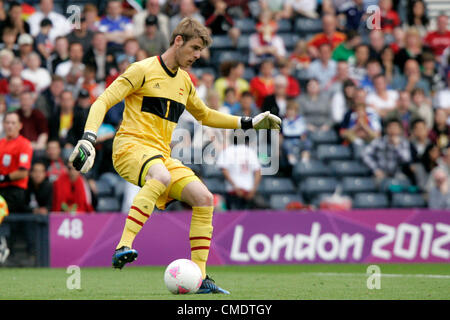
[
  {"x": 264, "y": 120},
  {"x": 83, "y": 155}
]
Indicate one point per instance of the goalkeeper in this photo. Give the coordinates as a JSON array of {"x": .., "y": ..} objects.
[{"x": 156, "y": 92}]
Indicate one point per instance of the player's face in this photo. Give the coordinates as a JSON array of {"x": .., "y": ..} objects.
[{"x": 189, "y": 52}]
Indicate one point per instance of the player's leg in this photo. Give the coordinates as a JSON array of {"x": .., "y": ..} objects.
[
  {"x": 154, "y": 178},
  {"x": 156, "y": 181},
  {"x": 200, "y": 199},
  {"x": 195, "y": 193}
]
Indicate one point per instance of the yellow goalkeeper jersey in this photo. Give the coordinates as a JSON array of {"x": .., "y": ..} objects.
[{"x": 155, "y": 97}]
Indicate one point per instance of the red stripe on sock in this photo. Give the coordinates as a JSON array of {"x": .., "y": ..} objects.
[
  {"x": 199, "y": 248},
  {"x": 136, "y": 221},
  {"x": 200, "y": 238},
  {"x": 140, "y": 211}
]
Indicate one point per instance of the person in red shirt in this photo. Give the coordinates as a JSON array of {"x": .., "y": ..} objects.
[
  {"x": 71, "y": 193},
  {"x": 389, "y": 18},
  {"x": 439, "y": 40},
  {"x": 55, "y": 163},
  {"x": 329, "y": 35},
  {"x": 293, "y": 87},
  {"x": 16, "y": 69},
  {"x": 34, "y": 123},
  {"x": 263, "y": 85},
  {"x": 15, "y": 162}
]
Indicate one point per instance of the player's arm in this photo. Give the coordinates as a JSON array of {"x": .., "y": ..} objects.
[
  {"x": 213, "y": 118},
  {"x": 25, "y": 157},
  {"x": 84, "y": 153},
  {"x": 15, "y": 175}
]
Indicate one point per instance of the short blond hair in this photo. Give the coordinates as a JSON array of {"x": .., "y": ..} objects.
[{"x": 189, "y": 29}]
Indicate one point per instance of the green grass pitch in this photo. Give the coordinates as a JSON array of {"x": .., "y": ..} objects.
[{"x": 285, "y": 282}]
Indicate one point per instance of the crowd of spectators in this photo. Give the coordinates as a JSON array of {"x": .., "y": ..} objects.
[{"x": 383, "y": 89}]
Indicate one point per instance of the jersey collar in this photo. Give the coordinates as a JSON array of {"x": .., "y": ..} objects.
[{"x": 167, "y": 70}]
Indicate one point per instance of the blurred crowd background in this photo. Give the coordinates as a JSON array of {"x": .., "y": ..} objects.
[{"x": 364, "y": 97}]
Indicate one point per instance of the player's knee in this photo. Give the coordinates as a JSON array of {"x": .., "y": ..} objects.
[
  {"x": 162, "y": 176},
  {"x": 204, "y": 199}
]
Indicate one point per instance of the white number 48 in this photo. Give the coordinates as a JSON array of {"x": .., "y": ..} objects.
[{"x": 71, "y": 228}]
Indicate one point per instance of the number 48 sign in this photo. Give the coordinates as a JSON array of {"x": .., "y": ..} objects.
[{"x": 71, "y": 228}]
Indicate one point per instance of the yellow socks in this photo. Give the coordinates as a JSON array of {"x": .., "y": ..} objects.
[
  {"x": 200, "y": 235},
  {"x": 140, "y": 211}
]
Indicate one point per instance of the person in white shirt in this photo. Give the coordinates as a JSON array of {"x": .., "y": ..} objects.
[
  {"x": 442, "y": 98},
  {"x": 187, "y": 9},
  {"x": 242, "y": 171},
  {"x": 306, "y": 8},
  {"x": 382, "y": 100},
  {"x": 60, "y": 24},
  {"x": 152, "y": 8},
  {"x": 40, "y": 77},
  {"x": 324, "y": 68},
  {"x": 74, "y": 62}
]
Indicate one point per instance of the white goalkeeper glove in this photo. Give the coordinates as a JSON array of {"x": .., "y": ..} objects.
[
  {"x": 83, "y": 155},
  {"x": 264, "y": 120}
]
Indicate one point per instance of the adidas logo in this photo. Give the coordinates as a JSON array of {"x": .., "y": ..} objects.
[{"x": 156, "y": 86}]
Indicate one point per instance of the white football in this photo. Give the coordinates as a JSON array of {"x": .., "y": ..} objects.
[{"x": 183, "y": 276}]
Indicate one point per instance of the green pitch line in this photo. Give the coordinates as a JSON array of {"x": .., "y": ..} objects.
[{"x": 287, "y": 282}]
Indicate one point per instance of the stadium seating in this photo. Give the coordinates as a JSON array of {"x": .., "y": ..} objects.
[
  {"x": 394, "y": 185},
  {"x": 211, "y": 171},
  {"x": 221, "y": 42},
  {"x": 370, "y": 200},
  {"x": 246, "y": 25},
  {"x": 243, "y": 43},
  {"x": 275, "y": 185},
  {"x": 284, "y": 26},
  {"x": 343, "y": 168},
  {"x": 328, "y": 152},
  {"x": 407, "y": 200},
  {"x": 324, "y": 137},
  {"x": 104, "y": 189},
  {"x": 108, "y": 204},
  {"x": 280, "y": 201},
  {"x": 220, "y": 56},
  {"x": 215, "y": 185},
  {"x": 306, "y": 26},
  {"x": 310, "y": 168},
  {"x": 289, "y": 40},
  {"x": 313, "y": 186},
  {"x": 352, "y": 185},
  {"x": 200, "y": 71},
  {"x": 249, "y": 73}
]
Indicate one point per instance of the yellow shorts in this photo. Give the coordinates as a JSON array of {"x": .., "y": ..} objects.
[{"x": 133, "y": 160}]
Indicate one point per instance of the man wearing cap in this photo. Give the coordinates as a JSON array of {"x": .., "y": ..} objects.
[
  {"x": 25, "y": 43},
  {"x": 153, "y": 40}
]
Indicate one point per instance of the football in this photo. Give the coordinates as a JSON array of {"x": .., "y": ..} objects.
[{"x": 183, "y": 276}]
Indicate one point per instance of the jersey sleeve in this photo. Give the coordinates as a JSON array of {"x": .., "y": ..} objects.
[
  {"x": 25, "y": 156},
  {"x": 207, "y": 116},
  {"x": 128, "y": 82}
]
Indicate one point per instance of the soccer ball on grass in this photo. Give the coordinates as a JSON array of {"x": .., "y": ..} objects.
[{"x": 183, "y": 276}]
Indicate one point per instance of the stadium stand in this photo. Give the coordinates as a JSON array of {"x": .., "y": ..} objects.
[
  {"x": 363, "y": 200},
  {"x": 282, "y": 201},
  {"x": 331, "y": 163}
]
